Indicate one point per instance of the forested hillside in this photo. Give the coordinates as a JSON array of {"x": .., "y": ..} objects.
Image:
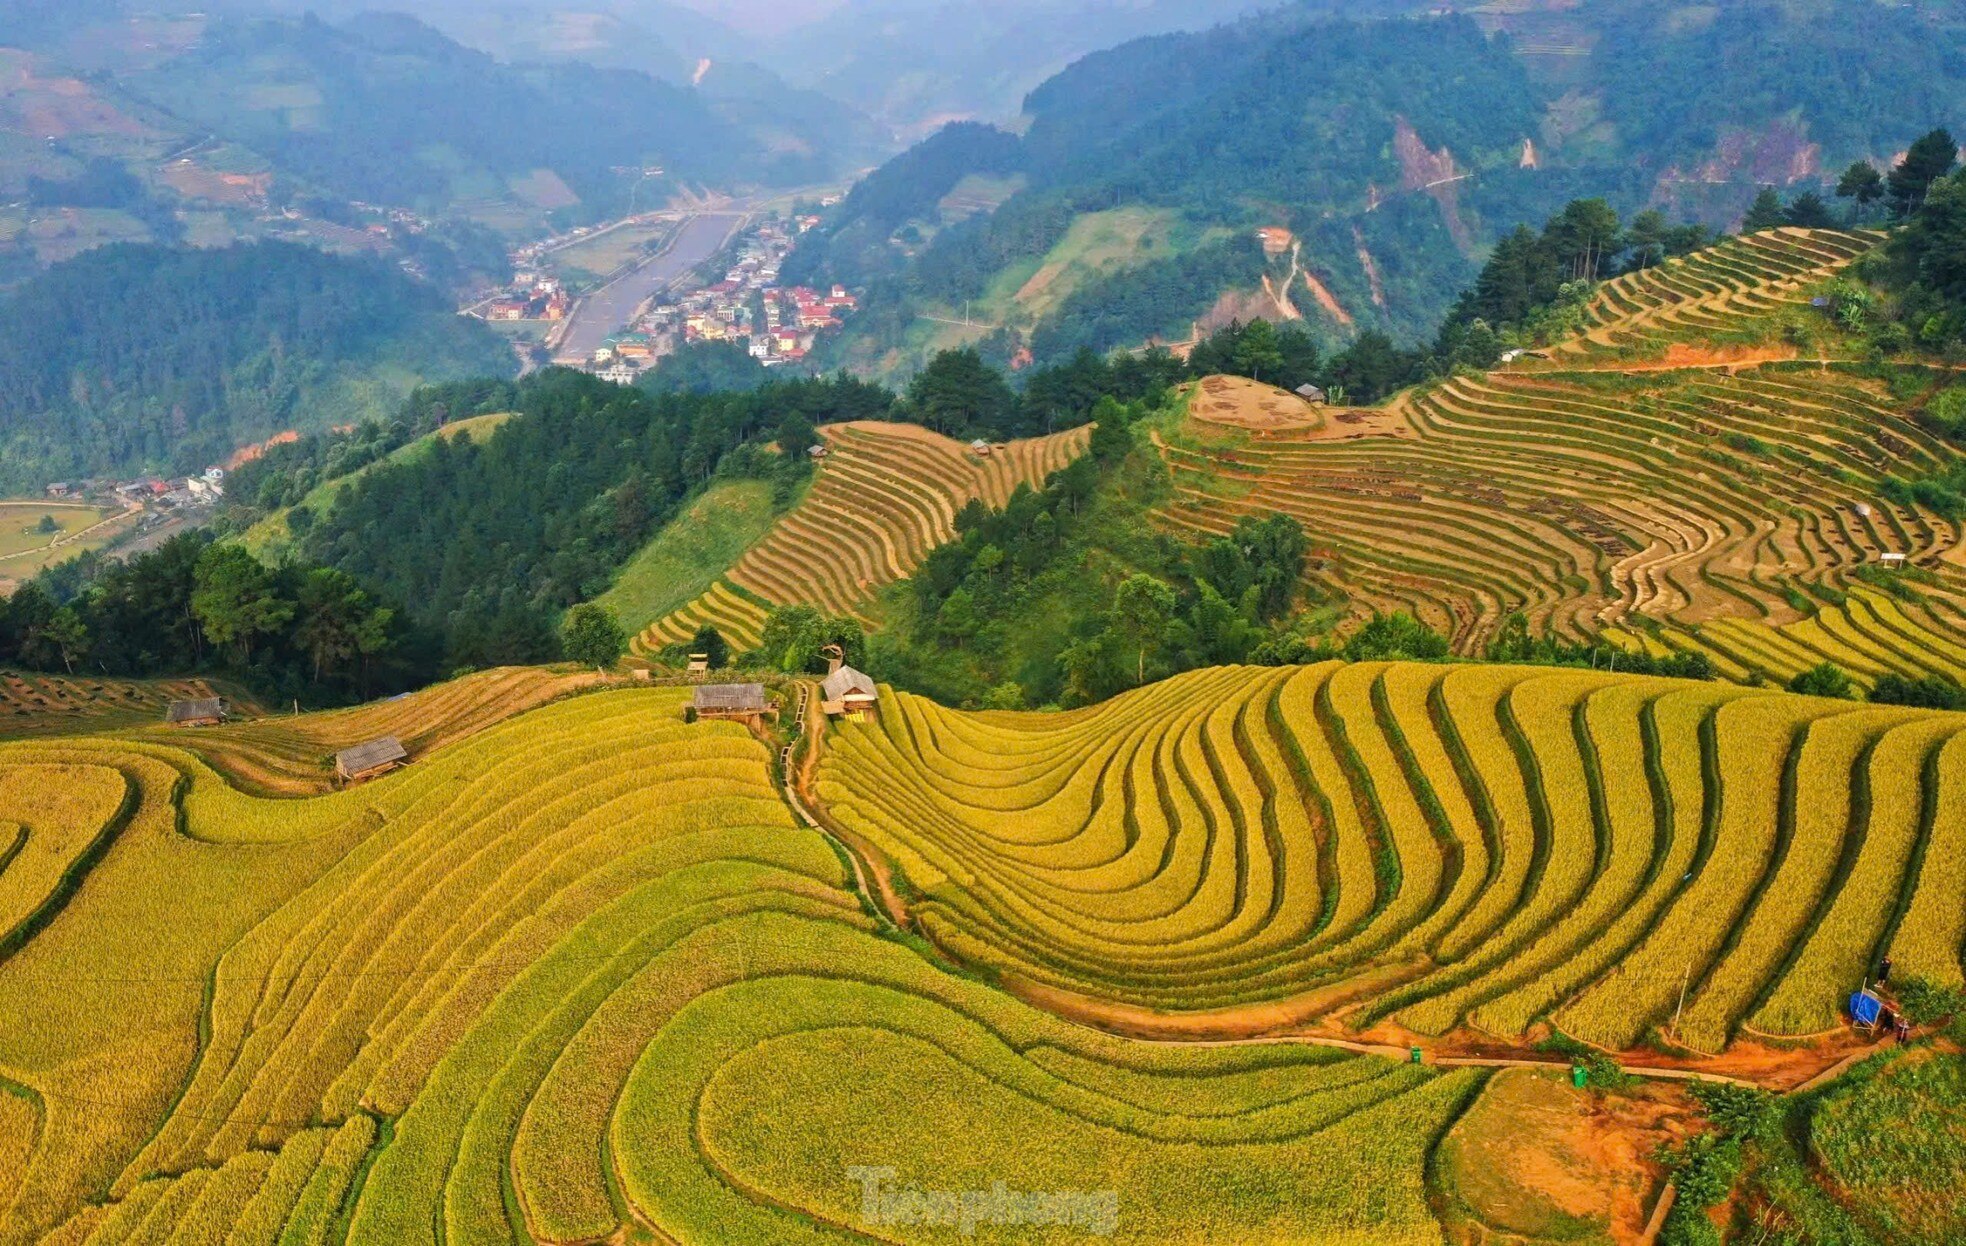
[
  {"x": 327, "y": 104},
  {"x": 134, "y": 358},
  {"x": 1387, "y": 155}
]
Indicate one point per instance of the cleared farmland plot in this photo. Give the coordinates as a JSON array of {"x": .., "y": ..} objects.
[
  {"x": 1727, "y": 507},
  {"x": 580, "y": 976},
  {"x": 281, "y": 755},
  {"x": 1427, "y": 846},
  {"x": 886, "y": 494},
  {"x": 37, "y": 704}
]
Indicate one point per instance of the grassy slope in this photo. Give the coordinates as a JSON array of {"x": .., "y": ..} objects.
[
  {"x": 268, "y": 538},
  {"x": 1028, "y": 290},
  {"x": 690, "y": 552}
]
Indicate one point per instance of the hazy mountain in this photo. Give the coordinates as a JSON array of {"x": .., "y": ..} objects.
[{"x": 1392, "y": 152}]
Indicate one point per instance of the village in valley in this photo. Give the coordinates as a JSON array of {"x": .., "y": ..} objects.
[{"x": 745, "y": 306}]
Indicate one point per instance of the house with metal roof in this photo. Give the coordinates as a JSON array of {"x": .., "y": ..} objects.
[
  {"x": 204, "y": 712},
  {"x": 366, "y": 761},
  {"x": 848, "y": 693},
  {"x": 738, "y": 702}
]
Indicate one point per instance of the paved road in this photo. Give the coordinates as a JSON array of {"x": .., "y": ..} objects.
[{"x": 606, "y": 310}]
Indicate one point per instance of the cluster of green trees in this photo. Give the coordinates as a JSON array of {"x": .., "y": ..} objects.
[
  {"x": 1534, "y": 285},
  {"x": 1069, "y": 594},
  {"x": 487, "y": 543},
  {"x": 1931, "y": 692},
  {"x": 308, "y": 632},
  {"x": 1925, "y": 264},
  {"x": 285, "y": 474},
  {"x": 135, "y": 357}
]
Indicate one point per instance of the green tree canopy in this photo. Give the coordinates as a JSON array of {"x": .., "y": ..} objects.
[
  {"x": 592, "y": 637},
  {"x": 1824, "y": 680},
  {"x": 1862, "y": 183},
  {"x": 236, "y": 601},
  {"x": 710, "y": 642},
  {"x": 1927, "y": 160},
  {"x": 1766, "y": 212},
  {"x": 958, "y": 392}
]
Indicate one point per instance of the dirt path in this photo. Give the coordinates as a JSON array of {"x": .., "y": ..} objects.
[{"x": 873, "y": 874}]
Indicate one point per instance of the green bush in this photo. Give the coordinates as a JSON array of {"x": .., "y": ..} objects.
[{"x": 1825, "y": 680}]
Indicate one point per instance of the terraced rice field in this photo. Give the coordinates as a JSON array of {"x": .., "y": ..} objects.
[
  {"x": 35, "y": 704},
  {"x": 277, "y": 755},
  {"x": 1597, "y": 490},
  {"x": 1427, "y": 847},
  {"x": 886, "y": 494},
  {"x": 1868, "y": 636},
  {"x": 582, "y": 977},
  {"x": 1711, "y": 292}
]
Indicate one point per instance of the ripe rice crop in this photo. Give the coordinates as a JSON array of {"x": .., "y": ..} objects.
[
  {"x": 886, "y": 495},
  {"x": 37, "y": 704},
  {"x": 524, "y": 988},
  {"x": 1606, "y": 493},
  {"x": 1603, "y": 843}
]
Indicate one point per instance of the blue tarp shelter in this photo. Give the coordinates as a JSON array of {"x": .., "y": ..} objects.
[{"x": 1866, "y": 1009}]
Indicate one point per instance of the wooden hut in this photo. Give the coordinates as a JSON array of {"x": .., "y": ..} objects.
[
  {"x": 366, "y": 761},
  {"x": 699, "y": 663},
  {"x": 980, "y": 448},
  {"x": 848, "y": 693},
  {"x": 737, "y": 702},
  {"x": 1312, "y": 394},
  {"x": 204, "y": 712}
]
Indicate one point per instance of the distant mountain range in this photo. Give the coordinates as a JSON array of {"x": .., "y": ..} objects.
[
  {"x": 261, "y": 110},
  {"x": 1380, "y": 157}
]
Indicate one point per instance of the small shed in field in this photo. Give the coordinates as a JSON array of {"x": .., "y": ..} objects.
[
  {"x": 366, "y": 761},
  {"x": 1892, "y": 559},
  {"x": 736, "y": 702},
  {"x": 699, "y": 663},
  {"x": 204, "y": 712},
  {"x": 980, "y": 448},
  {"x": 1312, "y": 394},
  {"x": 848, "y": 693}
]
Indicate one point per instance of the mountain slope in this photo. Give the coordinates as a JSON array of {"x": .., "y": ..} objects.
[
  {"x": 606, "y": 983},
  {"x": 1682, "y": 475},
  {"x": 1430, "y": 846},
  {"x": 140, "y": 358},
  {"x": 1385, "y": 156},
  {"x": 886, "y": 494}
]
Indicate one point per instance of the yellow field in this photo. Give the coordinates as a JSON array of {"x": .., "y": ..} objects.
[
  {"x": 886, "y": 494},
  {"x": 1427, "y": 846},
  {"x": 1729, "y": 505},
  {"x": 581, "y": 976}
]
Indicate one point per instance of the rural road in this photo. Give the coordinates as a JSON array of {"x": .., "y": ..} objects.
[{"x": 607, "y": 309}]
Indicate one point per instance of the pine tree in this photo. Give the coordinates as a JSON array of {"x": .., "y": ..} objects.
[
  {"x": 1929, "y": 159},
  {"x": 1862, "y": 183},
  {"x": 1765, "y": 212}
]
